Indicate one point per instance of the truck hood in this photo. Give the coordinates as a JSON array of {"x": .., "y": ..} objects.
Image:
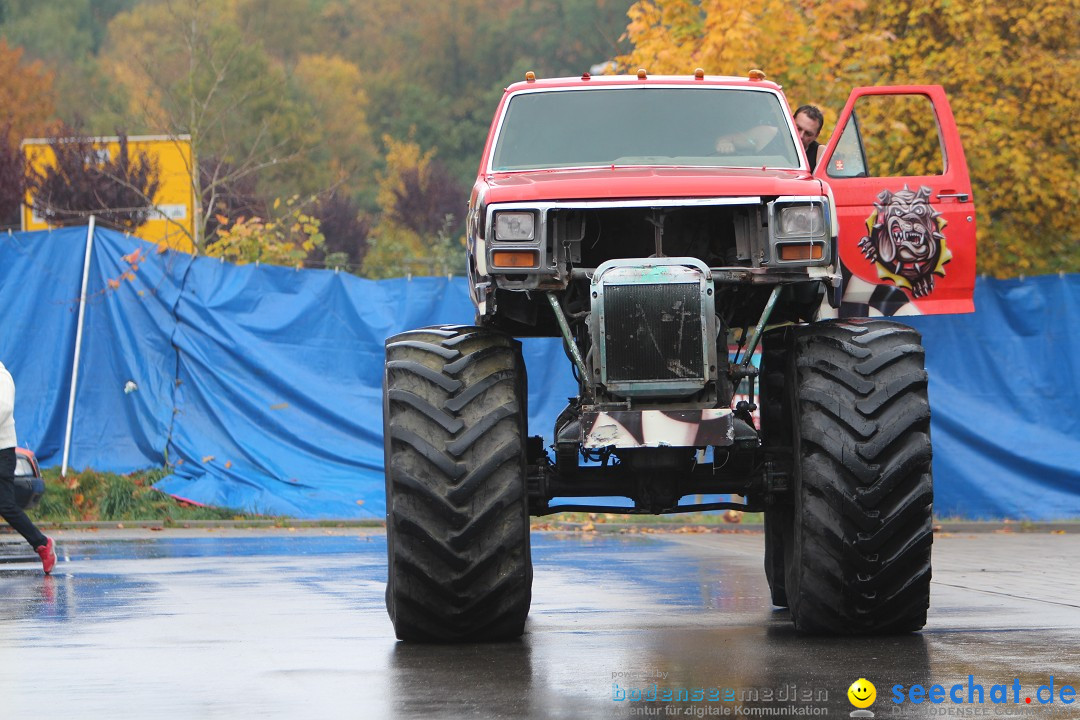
[{"x": 644, "y": 182}]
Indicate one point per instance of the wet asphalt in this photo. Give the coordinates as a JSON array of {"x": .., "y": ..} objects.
[{"x": 234, "y": 623}]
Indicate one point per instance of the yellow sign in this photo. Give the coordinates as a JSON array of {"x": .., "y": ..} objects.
[{"x": 173, "y": 221}]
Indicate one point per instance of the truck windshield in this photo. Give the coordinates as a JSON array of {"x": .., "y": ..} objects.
[{"x": 644, "y": 126}]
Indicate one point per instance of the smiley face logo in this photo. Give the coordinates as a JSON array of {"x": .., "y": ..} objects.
[{"x": 862, "y": 693}]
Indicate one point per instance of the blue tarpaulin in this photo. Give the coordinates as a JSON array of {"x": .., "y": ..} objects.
[
  {"x": 260, "y": 385},
  {"x": 1005, "y": 399}
]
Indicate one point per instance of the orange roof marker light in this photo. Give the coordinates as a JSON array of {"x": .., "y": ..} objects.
[
  {"x": 699, "y": 74},
  {"x": 530, "y": 76},
  {"x": 641, "y": 74},
  {"x": 756, "y": 74}
]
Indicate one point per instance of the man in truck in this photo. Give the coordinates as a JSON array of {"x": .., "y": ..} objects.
[{"x": 808, "y": 120}]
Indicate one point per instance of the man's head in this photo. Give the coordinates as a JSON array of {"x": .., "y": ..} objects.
[{"x": 808, "y": 121}]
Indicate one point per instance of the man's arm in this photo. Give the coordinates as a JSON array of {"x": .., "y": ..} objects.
[{"x": 750, "y": 140}]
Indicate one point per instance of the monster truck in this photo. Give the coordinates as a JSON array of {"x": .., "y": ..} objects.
[{"x": 653, "y": 223}]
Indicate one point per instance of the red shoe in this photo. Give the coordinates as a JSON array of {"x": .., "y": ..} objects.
[{"x": 47, "y": 552}]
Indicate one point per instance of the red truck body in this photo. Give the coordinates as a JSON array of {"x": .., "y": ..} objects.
[{"x": 948, "y": 271}]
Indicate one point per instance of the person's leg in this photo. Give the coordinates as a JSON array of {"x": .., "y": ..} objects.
[{"x": 9, "y": 508}]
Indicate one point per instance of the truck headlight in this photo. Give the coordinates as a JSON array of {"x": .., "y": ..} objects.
[
  {"x": 801, "y": 221},
  {"x": 514, "y": 226},
  {"x": 800, "y": 231}
]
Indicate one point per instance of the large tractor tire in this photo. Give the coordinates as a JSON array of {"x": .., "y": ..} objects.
[
  {"x": 457, "y": 521},
  {"x": 776, "y": 433},
  {"x": 857, "y": 554},
  {"x": 777, "y": 521}
]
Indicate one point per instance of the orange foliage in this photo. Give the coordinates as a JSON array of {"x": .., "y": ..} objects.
[{"x": 26, "y": 95}]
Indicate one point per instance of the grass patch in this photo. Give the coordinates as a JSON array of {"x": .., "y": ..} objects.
[{"x": 92, "y": 496}]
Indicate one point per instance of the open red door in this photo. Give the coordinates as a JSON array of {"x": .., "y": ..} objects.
[{"x": 907, "y": 216}]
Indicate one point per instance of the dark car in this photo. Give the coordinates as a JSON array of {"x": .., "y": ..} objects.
[{"x": 29, "y": 487}]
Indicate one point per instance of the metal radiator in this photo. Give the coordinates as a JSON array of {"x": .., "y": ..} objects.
[{"x": 653, "y": 326}]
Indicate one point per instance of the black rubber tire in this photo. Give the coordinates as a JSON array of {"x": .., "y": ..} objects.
[
  {"x": 777, "y": 521},
  {"x": 457, "y": 522},
  {"x": 857, "y": 557},
  {"x": 776, "y": 433}
]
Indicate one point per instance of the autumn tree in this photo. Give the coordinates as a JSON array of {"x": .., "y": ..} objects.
[
  {"x": 26, "y": 109},
  {"x": 341, "y": 154},
  {"x": 345, "y": 228},
  {"x": 287, "y": 28},
  {"x": 12, "y": 181},
  {"x": 234, "y": 198},
  {"x": 422, "y": 211},
  {"x": 66, "y": 36},
  {"x": 428, "y": 200},
  {"x": 818, "y": 50},
  {"x": 286, "y": 238},
  {"x": 85, "y": 180},
  {"x": 189, "y": 68},
  {"x": 26, "y": 95},
  {"x": 1016, "y": 120}
]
